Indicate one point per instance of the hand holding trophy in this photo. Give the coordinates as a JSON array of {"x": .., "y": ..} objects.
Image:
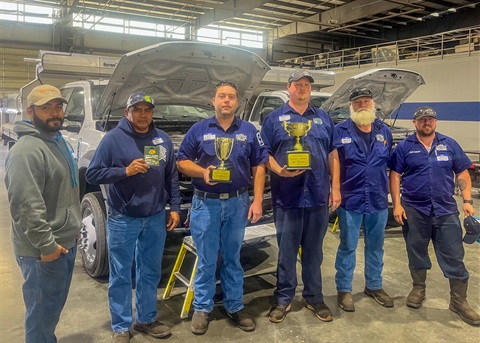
[
  {"x": 298, "y": 158},
  {"x": 223, "y": 149}
]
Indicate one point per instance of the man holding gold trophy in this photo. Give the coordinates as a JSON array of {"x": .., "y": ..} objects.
[
  {"x": 299, "y": 139},
  {"x": 222, "y": 154}
]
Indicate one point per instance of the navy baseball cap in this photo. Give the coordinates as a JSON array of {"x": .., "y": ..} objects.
[
  {"x": 360, "y": 92},
  {"x": 139, "y": 97},
  {"x": 472, "y": 229},
  {"x": 297, "y": 74},
  {"x": 424, "y": 111}
]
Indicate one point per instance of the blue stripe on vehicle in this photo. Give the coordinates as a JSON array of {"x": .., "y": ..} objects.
[{"x": 454, "y": 111}]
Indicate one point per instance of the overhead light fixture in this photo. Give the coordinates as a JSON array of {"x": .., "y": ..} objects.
[
  {"x": 453, "y": 10},
  {"x": 435, "y": 14}
]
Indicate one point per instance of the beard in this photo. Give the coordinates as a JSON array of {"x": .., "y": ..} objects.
[
  {"x": 364, "y": 116},
  {"x": 44, "y": 125}
]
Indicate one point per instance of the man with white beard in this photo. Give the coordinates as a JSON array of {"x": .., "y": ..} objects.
[{"x": 364, "y": 144}]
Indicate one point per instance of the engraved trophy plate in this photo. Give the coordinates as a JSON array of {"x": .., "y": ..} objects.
[
  {"x": 223, "y": 149},
  {"x": 298, "y": 158}
]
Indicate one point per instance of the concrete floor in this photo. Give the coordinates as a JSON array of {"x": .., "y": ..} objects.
[{"x": 86, "y": 318}]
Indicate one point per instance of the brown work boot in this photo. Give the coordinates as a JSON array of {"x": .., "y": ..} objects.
[
  {"x": 154, "y": 329},
  {"x": 199, "y": 323},
  {"x": 121, "y": 337},
  {"x": 243, "y": 320},
  {"x": 278, "y": 313},
  {"x": 380, "y": 296},
  {"x": 418, "y": 293},
  {"x": 321, "y": 311},
  {"x": 345, "y": 301},
  {"x": 459, "y": 303}
]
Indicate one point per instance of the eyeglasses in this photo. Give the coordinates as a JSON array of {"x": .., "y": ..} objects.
[
  {"x": 425, "y": 112},
  {"x": 226, "y": 83}
]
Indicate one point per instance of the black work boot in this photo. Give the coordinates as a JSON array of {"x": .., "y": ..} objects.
[
  {"x": 459, "y": 303},
  {"x": 418, "y": 293}
]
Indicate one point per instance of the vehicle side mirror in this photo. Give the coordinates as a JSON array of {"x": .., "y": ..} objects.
[{"x": 264, "y": 113}]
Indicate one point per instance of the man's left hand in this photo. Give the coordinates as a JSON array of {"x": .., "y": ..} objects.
[
  {"x": 334, "y": 199},
  {"x": 255, "y": 211},
  {"x": 468, "y": 210},
  {"x": 173, "y": 220}
]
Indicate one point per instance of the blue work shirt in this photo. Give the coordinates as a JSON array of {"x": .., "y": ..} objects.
[
  {"x": 248, "y": 151},
  {"x": 311, "y": 188},
  {"x": 428, "y": 180},
  {"x": 363, "y": 173}
]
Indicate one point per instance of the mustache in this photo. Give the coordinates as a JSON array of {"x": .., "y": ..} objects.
[{"x": 53, "y": 119}]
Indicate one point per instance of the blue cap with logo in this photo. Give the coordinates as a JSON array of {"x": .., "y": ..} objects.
[
  {"x": 360, "y": 92},
  {"x": 139, "y": 97},
  {"x": 472, "y": 229}
]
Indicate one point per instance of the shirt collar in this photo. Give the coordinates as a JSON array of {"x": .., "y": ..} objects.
[{"x": 214, "y": 122}]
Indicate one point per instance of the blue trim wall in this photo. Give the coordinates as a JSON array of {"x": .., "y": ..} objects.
[{"x": 454, "y": 111}]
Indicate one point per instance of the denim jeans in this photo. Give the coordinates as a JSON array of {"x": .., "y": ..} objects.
[
  {"x": 305, "y": 227},
  {"x": 45, "y": 292},
  {"x": 144, "y": 238},
  {"x": 446, "y": 234},
  {"x": 219, "y": 226},
  {"x": 374, "y": 235}
]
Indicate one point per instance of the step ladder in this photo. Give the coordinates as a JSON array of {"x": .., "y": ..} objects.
[{"x": 253, "y": 235}]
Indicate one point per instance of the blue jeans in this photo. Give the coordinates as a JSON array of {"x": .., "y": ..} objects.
[
  {"x": 45, "y": 292},
  {"x": 446, "y": 234},
  {"x": 374, "y": 235},
  {"x": 144, "y": 238},
  {"x": 219, "y": 226},
  {"x": 305, "y": 227}
]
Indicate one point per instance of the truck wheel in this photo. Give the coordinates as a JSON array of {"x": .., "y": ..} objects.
[{"x": 93, "y": 235}]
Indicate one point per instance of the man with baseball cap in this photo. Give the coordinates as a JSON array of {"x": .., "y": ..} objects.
[
  {"x": 426, "y": 163},
  {"x": 137, "y": 161},
  {"x": 364, "y": 144},
  {"x": 301, "y": 198},
  {"x": 42, "y": 185}
]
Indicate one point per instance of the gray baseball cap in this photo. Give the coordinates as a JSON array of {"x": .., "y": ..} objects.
[{"x": 297, "y": 74}]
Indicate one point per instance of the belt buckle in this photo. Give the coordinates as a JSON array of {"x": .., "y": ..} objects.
[{"x": 223, "y": 196}]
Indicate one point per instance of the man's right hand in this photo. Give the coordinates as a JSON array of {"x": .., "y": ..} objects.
[
  {"x": 399, "y": 214},
  {"x": 54, "y": 255},
  {"x": 137, "y": 166}
]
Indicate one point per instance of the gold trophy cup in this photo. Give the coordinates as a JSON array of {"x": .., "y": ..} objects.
[
  {"x": 223, "y": 149},
  {"x": 298, "y": 158}
]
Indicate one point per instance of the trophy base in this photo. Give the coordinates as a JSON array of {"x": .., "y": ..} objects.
[
  {"x": 220, "y": 176},
  {"x": 298, "y": 160}
]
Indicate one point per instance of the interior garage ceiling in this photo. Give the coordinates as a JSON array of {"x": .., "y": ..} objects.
[{"x": 305, "y": 19}]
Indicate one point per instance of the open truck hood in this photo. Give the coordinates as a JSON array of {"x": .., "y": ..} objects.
[
  {"x": 390, "y": 88},
  {"x": 183, "y": 73}
]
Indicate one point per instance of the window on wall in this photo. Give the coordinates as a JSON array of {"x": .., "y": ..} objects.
[
  {"x": 14, "y": 11},
  {"x": 230, "y": 36}
]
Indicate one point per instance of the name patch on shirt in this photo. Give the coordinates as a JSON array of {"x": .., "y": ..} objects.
[
  {"x": 346, "y": 140},
  {"x": 442, "y": 158},
  {"x": 241, "y": 137},
  {"x": 441, "y": 147},
  {"x": 284, "y": 117},
  {"x": 380, "y": 137},
  {"x": 414, "y": 152},
  {"x": 208, "y": 136},
  {"x": 157, "y": 140},
  {"x": 318, "y": 121},
  {"x": 259, "y": 139}
]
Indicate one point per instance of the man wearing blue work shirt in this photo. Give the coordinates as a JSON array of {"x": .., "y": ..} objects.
[
  {"x": 137, "y": 160},
  {"x": 301, "y": 198},
  {"x": 220, "y": 211},
  {"x": 364, "y": 144},
  {"x": 426, "y": 163}
]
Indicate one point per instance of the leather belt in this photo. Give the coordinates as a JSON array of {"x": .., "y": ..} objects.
[{"x": 221, "y": 196}]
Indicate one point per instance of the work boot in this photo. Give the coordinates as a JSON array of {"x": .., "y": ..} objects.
[
  {"x": 345, "y": 301},
  {"x": 380, "y": 296},
  {"x": 459, "y": 303},
  {"x": 278, "y": 313},
  {"x": 121, "y": 337},
  {"x": 418, "y": 293},
  {"x": 321, "y": 311},
  {"x": 243, "y": 320},
  {"x": 199, "y": 323},
  {"x": 154, "y": 329}
]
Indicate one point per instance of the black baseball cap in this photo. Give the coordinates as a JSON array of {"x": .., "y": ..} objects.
[
  {"x": 139, "y": 97},
  {"x": 360, "y": 92},
  {"x": 472, "y": 229},
  {"x": 424, "y": 111}
]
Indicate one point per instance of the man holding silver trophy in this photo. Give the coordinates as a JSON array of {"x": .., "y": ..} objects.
[
  {"x": 299, "y": 139},
  {"x": 222, "y": 154}
]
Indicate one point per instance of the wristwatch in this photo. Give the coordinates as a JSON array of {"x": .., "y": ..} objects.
[{"x": 468, "y": 201}]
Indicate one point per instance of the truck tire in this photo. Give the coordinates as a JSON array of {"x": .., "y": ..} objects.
[{"x": 93, "y": 235}]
